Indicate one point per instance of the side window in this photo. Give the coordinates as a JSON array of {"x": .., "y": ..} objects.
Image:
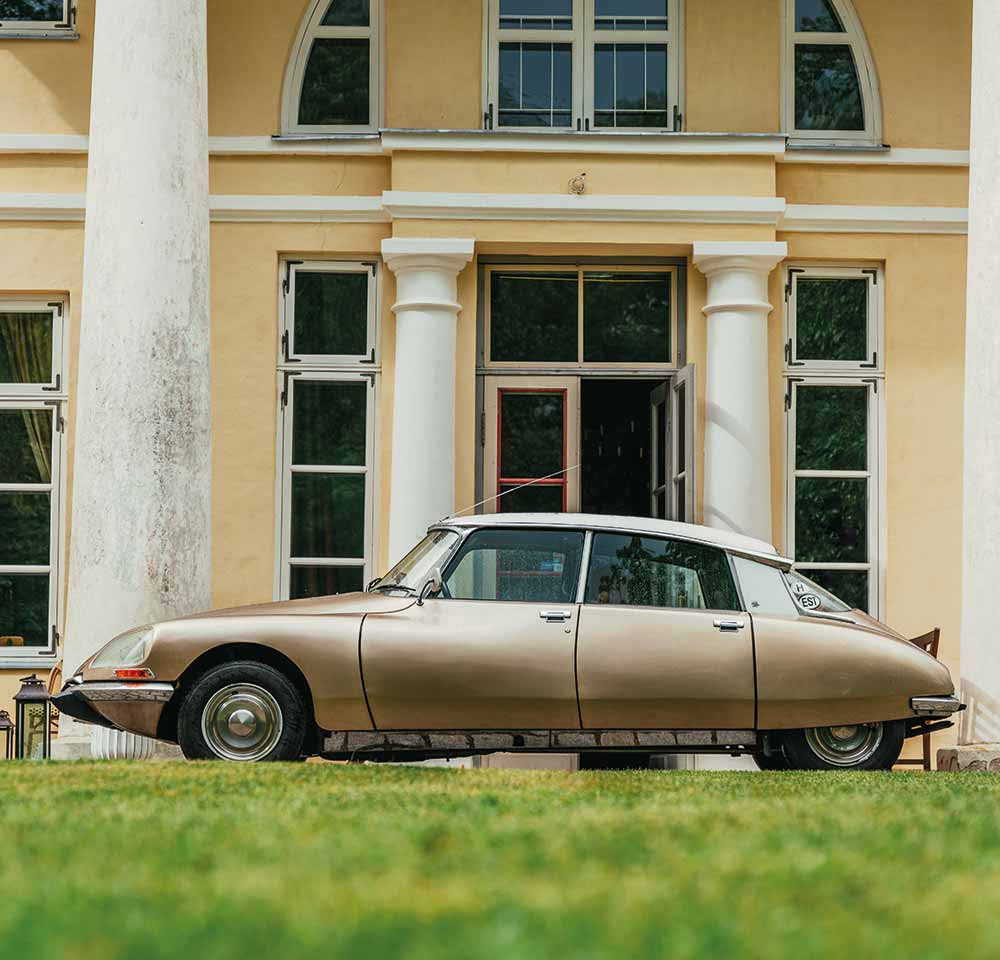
[
  {"x": 533, "y": 566},
  {"x": 764, "y": 589},
  {"x": 37, "y": 19},
  {"x": 639, "y": 571}
]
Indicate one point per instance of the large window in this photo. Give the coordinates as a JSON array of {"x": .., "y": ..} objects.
[
  {"x": 36, "y": 18},
  {"x": 332, "y": 82},
  {"x": 584, "y": 64},
  {"x": 834, "y": 391},
  {"x": 327, "y": 373},
  {"x": 830, "y": 89},
  {"x": 633, "y": 571},
  {"x": 31, "y": 435}
]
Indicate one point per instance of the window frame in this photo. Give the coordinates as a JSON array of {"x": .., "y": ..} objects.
[
  {"x": 54, "y": 398},
  {"x": 583, "y": 37},
  {"x": 580, "y": 364},
  {"x": 333, "y": 368},
  {"x": 310, "y": 30},
  {"x": 843, "y": 374},
  {"x": 871, "y": 98},
  {"x": 62, "y": 29}
]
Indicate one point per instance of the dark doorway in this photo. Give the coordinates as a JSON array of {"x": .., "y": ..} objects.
[{"x": 615, "y": 432}]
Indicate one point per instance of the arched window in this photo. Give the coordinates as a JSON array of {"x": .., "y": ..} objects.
[
  {"x": 332, "y": 80},
  {"x": 830, "y": 88}
]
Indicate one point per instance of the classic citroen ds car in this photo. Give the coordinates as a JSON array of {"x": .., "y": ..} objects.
[{"x": 535, "y": 633}]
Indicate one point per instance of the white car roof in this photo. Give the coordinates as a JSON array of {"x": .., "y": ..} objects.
[{"x": 726, "y": 539}]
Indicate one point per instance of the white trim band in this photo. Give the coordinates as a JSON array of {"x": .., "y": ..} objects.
[{"x": 844, "y": 218}]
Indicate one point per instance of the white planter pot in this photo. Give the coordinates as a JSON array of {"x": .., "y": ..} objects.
[{"x": 115, "y": 745}]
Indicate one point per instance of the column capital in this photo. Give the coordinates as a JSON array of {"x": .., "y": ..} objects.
[
  {"x": 712, "y": 256},
  {"x": 422, "y": 253}
]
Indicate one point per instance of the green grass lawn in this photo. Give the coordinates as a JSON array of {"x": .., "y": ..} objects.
[{"x": 206, "y": 861}]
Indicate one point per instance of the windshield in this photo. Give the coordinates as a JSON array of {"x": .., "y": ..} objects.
[
  {"x": 414, "y": 570},
  {"x": 811, "y": 597}
]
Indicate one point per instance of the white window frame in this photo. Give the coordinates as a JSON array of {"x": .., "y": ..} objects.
[
  {"x": 833, "y": 373},
  {"x": 310, "y": 30},
  {"x": 583, "y": 37},
  {"x": 61, "y": 29},
  {"x": 854, "y": 37},
  {"x": 51, "y": 397},
  {"x": 345, "y": 369}
]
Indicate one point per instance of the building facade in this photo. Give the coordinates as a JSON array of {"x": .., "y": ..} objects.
[{"x": 283, "y": 282}]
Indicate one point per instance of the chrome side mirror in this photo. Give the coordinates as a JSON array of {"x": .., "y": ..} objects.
[{"x": 431, "y": 587}]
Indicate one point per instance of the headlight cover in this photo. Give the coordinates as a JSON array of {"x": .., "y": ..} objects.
[{"x": 128, "y": 650}]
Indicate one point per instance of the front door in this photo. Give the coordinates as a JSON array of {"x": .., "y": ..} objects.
[
  {"x": 495, "y": 651},
  {"x": 662, "y": 641}
]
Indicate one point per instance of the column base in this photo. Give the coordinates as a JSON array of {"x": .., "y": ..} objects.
[
  {"x": 983, "y": 757},
  {"x": 76, "y": 747}
]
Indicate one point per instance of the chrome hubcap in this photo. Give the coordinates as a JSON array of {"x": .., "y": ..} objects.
[
  {"x": 845, "y": 746},
  {"x": 242, "y": 722}
]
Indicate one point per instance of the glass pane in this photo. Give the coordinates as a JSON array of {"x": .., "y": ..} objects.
[
  {"x": 831, "y": 319},
  {"x": 25, "y": 521},
  {"x": 331, "y": 313},
  {"x": 827, "y": 90},
  {"x": 626, "y": 317},
  {"x": 328, "y": 515},
  {"x": 533, "y": 317},
  {"x": 536, "y": 85},
  {"x": 325, "y": 581},
  {"x": 42, "y": 11},
  {"x": 25, "y": 446},
  {"x": 531, "y": 434},
  {"x": 24, "y": 610},
  {"x": 661, "y": 440},
  {"x": 538, "y": 498},
  {"x": 816, "y": 16},
  {"x": 329, "y": 423},
  {"x": 810, "y": 596},
  {"x": 335, "y": 87},
  {"x": 630, "y": 85},
  {"x": 650, "y": 572},
  {"x": 630, "y": 14},
  {"x": 25, "y": 347},
  {"x": 680, "y": 456},
  {"x": 831, "y": 520},
  {"x": 348, "y": 13},
  {"x": 764, "y": 589},
  {"x": 528, "y": 565},
  {"x": 831, "y": 428},
  {"x": 536, "y": 14},
  {"x": 851, "y": 586}
]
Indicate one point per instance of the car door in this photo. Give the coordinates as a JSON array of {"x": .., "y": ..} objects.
[
  {"x": 662, "y": 642},
  {"x": 495, "y": 651}
]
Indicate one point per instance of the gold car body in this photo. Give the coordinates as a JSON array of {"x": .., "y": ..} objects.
[{"x": 452, "y": 675}]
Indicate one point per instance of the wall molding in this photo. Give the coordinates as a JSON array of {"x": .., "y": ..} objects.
[
  {"x": 842, "y": 218},
  {"x": 231, "y": 208},
  {"x": 893, "y": 156}
]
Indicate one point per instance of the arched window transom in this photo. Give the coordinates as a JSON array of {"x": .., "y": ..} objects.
[
  {"x": 332, "y": 81},
  {"x": 830, "y": 88}
]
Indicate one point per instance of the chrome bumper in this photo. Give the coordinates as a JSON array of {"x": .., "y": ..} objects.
[
  {"x": 76, "y": 697},
  {"x": 935, "y": 706}
]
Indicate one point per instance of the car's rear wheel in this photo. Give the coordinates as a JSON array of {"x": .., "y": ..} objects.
[
  {"x": 243, "y": 712},
  {"x": 860, "y": 746},
  {"x": 775, "y": 760}
]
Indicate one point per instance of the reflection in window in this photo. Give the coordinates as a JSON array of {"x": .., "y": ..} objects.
[
  {"x": 31, "y": 12},
  {"x": 26, "y": 347},
  {"x": 630, "y": 85},
  {"x": 517, "y": 565},
  {"x": 536, "y": 14},
  {"x": 331, "y": 313},
  {"x": 626, "y": 317},
  {"x": 635, "y": 571},
  {"x": 816, "y": 16},
  {"x": 536, "y": 84},
  {"x": 827, "y": 91},
  {"x": 532, "y": 448},
  {"x": 831, "y": 318},
  {"x": 631, "y": 15},
  {"x": 533, "y": 317}
]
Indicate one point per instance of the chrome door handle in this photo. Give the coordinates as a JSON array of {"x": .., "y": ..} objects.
[
  {"x": 555, "y": 616},
  {"x": 730, "y": 625}
]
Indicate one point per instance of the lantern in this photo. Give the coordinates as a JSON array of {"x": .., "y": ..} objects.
[
  {"x": 7, "y": 734},
  {"x": 31, "y": 716}
]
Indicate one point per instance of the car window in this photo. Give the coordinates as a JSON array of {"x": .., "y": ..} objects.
[
  {"x": 525, "y": 565},
  {"x": 764, "y": 589},
  {"x": 653, "y": 572},
  {"x": 811, "y": 597}
]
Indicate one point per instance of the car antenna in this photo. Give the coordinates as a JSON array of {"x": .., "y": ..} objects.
[{"x": 520, "y": 486}]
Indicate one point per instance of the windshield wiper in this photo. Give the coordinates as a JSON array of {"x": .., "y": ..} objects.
[{"x": 410, "y": 592}]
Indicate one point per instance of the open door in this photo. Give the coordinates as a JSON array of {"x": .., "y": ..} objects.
[{"x": 672, "y": 445}]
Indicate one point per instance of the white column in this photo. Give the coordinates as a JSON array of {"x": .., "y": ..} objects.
[
  {"x": 737, "y": 415},
  {"x": 140, "y": 531},
  {"x": 423, "y": 407},
  {"x": 980, "y": 653}
]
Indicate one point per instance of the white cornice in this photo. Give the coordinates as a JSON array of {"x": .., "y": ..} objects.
[
  {"x": 403, "y": 205},
  {"x": 229, "y": 208},
  {"x": 841, "y": 218},
  {"x": 897, "y": 156},
  {"x": 344, "y": 145},
  {"x": 42, "y": 143},
  {"x": 592, "y": 142},
  {"x": 42, "y": 206}
]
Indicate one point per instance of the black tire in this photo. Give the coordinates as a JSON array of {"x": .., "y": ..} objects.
[
  {"x": 805, "y": 749},
  {"x": 773, "y": 761},
  {"x": 267, "y": 716}
]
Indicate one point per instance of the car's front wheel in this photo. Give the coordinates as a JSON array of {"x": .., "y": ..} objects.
[
  {"x": 860, "y": 746},
  {"x": 243, "y": 711}
]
